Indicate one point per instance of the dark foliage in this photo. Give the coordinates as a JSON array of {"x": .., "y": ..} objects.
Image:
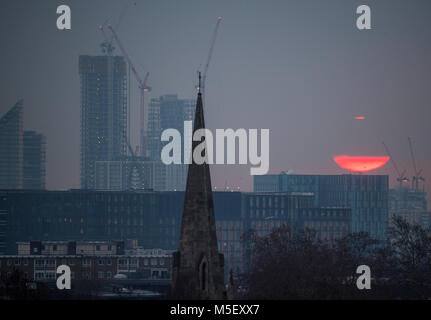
[{"x": 289, "y": 264}]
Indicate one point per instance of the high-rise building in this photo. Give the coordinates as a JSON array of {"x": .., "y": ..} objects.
[
  {"x": 103, "y": 112},
  {"x": 11, "y": 153},
  {"x": 168, "y": 112},
  {"x": 34, "y": 160},
  {"x": 366, "y": 195}
]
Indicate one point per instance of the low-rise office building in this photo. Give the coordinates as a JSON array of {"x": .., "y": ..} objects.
[
  {"x": 38, "y": 261},
  {"x": 153, "y": 218},
  {"x": 365, "y": 195}
]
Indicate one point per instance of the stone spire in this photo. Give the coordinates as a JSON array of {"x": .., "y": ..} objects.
[{"x": 198, "y": 267}]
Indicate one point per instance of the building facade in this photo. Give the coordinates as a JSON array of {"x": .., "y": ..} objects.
[
  {"x": 4, "y": 230},
  {"x": 168, "y": 112},
  {"x": 153, "y": 218},
  {"x": 264, "y": 211},
  {"x": 131, "y": 173},
  {"x": 34, "y": 160},
  {"x": 366, "y": 195},
  {"x": 103, "y": 113},
  {"x": 11, "y": 151},
  {"x": 100, "y": 261},
  {"x": 409, "y": 204}
]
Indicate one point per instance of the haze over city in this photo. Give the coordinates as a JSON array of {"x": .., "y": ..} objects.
[{"x": 298, "y": 68}]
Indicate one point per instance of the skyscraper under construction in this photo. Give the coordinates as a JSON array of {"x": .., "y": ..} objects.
[
  {"x": 103, "y": 112},
  {"x": 168, "y": 112}
]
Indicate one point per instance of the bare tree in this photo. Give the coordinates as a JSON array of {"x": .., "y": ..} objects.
[{"x": 294, "y": 264}]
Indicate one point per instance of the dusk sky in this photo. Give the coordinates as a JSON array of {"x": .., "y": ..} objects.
[{"x": 299, "y": 68}]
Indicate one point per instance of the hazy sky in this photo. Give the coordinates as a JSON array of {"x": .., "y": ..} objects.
[{"x": 299, "y": 68}]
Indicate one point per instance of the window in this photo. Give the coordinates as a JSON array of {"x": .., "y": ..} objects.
[
  {"x": 39, "y": 276},
  {"x": 26, "y": 262},
  {"x": 153, "y": 261},
  {"x": 98, "y": 248},
  {"x": 145, "y": 261},
  {"x": 72, "y": 262},
  {"x": 40, "y": 262},
  {"x": 100, "y": 275},
  {"x": 86, "y": 262},
  {"x": 101, "y": 262},
  {"x": 109, "y": 262},
  {"x": 9, "y": 262},
  {"x": 54, "y": 247},
  {"x": 109, "y": 275},
  {"x": 17, "y": 262},
  {"x": 162, "y": 261},
  {"x": 63, "y": 261}
]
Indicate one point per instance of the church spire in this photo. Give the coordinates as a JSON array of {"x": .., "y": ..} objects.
[
  {"x": 198, "y": 270},
  {"x": 199, "y": 83}
]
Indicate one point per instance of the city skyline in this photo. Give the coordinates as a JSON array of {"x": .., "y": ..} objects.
[{"x": 300, "y": 69}]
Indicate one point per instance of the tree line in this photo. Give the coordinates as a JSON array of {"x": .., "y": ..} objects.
[{"x": 295, "y": 264}]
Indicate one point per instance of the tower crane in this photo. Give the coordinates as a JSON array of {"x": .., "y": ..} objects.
[
  {"x": 400, "y": 175},
  {"x": 417, "y": 174},
  {"x": 213, "y": 39},
  {"x": 143, "y": 87},
  {"x": 106, "y": 45}
]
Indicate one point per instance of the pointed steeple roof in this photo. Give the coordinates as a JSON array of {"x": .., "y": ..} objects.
[
  {"x": 198, "y": 202},
  {"x": 198, "y": 266}
]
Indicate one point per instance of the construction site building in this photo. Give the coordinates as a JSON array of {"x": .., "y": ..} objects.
[{"x": 103, "y": 112}]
